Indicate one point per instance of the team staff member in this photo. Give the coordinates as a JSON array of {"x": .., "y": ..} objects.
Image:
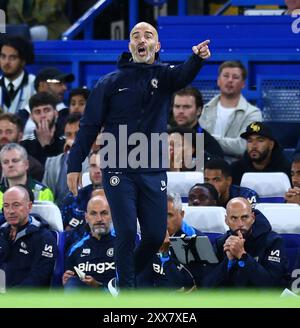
[
  {"x": 164, "y": 270},
  {"x": 250, "y": 253},
  {"x": 138, "y": 96},
  {"x": 28, "y": 249},
  {"x": 93, "y": 254}
]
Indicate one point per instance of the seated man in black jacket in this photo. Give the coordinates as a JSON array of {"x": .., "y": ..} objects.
[
  {"x": 263, "y": 153},
  {"x": 250, "y": 253},
  {"x": 47, "y": 140},
  {"x": 187, "y": 106}
]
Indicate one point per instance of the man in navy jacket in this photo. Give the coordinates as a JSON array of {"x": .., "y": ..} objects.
[
  {"x": 134, "y": 99},
  {"x": 164, "y": 270},
  {"x": 250, "y": 253},
  {"x": 28, "y": 249},
  {"x": 93, "y": 253}
]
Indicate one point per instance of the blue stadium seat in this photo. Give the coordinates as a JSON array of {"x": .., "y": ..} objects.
[
  {"x": 18, "y": 30},
  {"x": 280, "y": 96},
  {"x": 208, "y": 219},
  {"x": 270, "y": 186},
  {"x": 208, "y": 88},
  {"x": 181, "y": 182},
  {"x": 51, "y": 213},
  {"x": 86, "y": 180},
  {"x": 286, "y": 133},
  {"x": 285, "y": 220}
]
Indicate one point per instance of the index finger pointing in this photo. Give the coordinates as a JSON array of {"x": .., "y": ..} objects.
[{"x": 203, "y": 44}]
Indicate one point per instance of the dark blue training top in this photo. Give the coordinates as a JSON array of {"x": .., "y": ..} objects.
[
  {"x": 136, "y": 96},
  {"x": 94, "y": 257},
  {"x": 264, "y": 265},
  {"x": 29, "y": 260}
]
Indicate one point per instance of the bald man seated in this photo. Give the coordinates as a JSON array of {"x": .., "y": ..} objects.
[
  {"x": 250, "y": 253},
  {"x": 93, "y": 253},
  {"x": 28, "y": 249}
]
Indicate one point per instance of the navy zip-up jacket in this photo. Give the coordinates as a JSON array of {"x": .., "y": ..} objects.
[
  {"x": 29, "y": 260},
  {"x": 94, "y": 257},
  {"x": 137, "y": 96},
  {"x": 73, "y": 207},
  {"x": 169, "y": 272},
  {"x": 238, "y": 191},
  {"x": 264, "y": 265}
]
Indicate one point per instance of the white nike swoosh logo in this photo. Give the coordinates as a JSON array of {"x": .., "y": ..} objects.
[
  {"x": 123, "y": 89},
  {"x": 163, "y": 188}
]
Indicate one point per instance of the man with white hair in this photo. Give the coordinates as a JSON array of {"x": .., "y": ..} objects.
[
  {"x": 14, "y": 162},
  {"x": 164, "y": 270}
]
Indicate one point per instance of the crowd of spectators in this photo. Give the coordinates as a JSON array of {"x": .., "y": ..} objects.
[{"x": 37, "y": 130}]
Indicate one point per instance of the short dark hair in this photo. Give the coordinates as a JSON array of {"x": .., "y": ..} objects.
[
  {"x": 233, "y": 64},
  {"x": 219, "y": 164},
  {"x": 73, "y": 118},
  {"x": 190, "y": 91},
  {"x": 23, "y": 46},
  {"x": 42, "y": 98},
  {"x": 84, "y": 92},
  {"x": 14, "y": 119},
  {"x": 212, "y": 190}
]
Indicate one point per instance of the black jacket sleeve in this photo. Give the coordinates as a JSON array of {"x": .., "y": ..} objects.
[{"x": 181, "y": 75}]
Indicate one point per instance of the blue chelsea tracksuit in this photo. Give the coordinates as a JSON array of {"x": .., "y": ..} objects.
[
  {"x": 136, "y": 96},
  {"x": 264, "y": 265},
  {"x": 94, "y": 257},
  {"x": 29, "y": 260},
  {"x": 168, "y": 272}
]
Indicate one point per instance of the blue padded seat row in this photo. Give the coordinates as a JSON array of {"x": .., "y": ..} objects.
[
  {"x": 210, "y": 219},
  {"x": 51, "y": 213},
  {"x": 285, "y": 220},
  {"x": 270, "y": 186},
  {"x": 181, "y": 182},
  {"x": 18, "y": 30}
]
